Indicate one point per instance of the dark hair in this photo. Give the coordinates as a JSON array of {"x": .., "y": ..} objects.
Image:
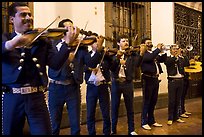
[
  {"x": 12, "y": 8},
  {"x": 61, "y": 23},
  {"x": 144, "y": 40},
  {"x": 122, "y": 36},
  {"x": 174, "y": 45}
]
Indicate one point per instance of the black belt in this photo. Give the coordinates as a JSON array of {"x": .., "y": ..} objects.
[
  {"x": 120, "y": 80},
  {"x": 151, "y": 75},
  {"x": 98, "y": 83},
  {"x": 23, "y": 90},
  {"x": 65, "y": 82},
  {"x": 170, "y": 78}
]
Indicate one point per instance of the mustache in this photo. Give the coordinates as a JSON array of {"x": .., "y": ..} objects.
[
  {"x": 150, "y": 45},
  {"x": 27, "y": 21}
]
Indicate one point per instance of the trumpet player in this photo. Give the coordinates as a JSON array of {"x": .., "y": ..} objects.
[
  {"x": 151, "y": 69},
  {"x": 182, "y": 111},
  {"x": 175, "y": 75}
]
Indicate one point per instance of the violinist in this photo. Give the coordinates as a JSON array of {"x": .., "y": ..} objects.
[
  {"x": 123, "y": 69},
  {"x": 64, "y": 86},
  {"x": 97, "y": 77},
  {"x": 24, "y": 78}
]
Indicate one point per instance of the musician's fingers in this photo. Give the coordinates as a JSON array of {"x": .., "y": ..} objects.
[{"x": 76, "y": 31}]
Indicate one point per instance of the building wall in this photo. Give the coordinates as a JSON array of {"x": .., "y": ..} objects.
[
  {"x": 162, "y": 27},
  {"x": 79, "y": 12}
]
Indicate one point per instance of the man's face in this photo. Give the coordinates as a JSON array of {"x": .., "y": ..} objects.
[
  {"x": 149, "y": 44},
  {"x": 124, "y": 43},
  {"x": 68, "y": 24},
  {"x": 23, "y": 20},
  {"x": 174, "y": 50}
]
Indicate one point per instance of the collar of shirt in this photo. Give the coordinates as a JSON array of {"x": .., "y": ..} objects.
[
  {"x": 59, "y": 45},
  {"x": 149, "y": 51},
  {"x": 93, "y": 52},
  {"x": 17, "y": 35}
]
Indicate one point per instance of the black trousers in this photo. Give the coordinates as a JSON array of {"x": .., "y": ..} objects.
[
  {"x": 175, "y": 89},
  {"x": 125, "y": 88},
  {"x": 94, "y": 94},
  {"x": 17, "y": 107},
  {"x": 183, "y": 95},
  {"x": 150, "y": 87}
]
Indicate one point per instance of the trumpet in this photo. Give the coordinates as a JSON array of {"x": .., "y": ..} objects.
[
  {"x": 167, "y": 47},
  {"x": 189, "y": 47}
]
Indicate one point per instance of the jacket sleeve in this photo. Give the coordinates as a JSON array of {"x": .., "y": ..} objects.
[{"x": 152, "y": 56}]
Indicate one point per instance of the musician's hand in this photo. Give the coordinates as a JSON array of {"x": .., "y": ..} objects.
[
  {"x": 94, "y": 69},
  {"x": 105, "y": 49},
  {"x": 19, "y": 41},
  {"x": 119, "y": 54},
  {"x": 160, "y": 45},
  {"x": 100, "y": 41},
  {"x": 179, "y": 51},
  {"x": 122, "y": 61},
  {"x": 71, "y": 34},
  {"x": 71, "y": 56},
  {"x": 143, "y": 48}
]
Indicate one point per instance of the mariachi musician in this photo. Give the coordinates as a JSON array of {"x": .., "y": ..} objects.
[
  {"x": 24, "y": 78},
  {"x": 97, "y": 77},
  {"x": 64, "y": 85},
  {"x": 151, "y": 69},
  {"x": 175, "y": 75},
  {"x": 122, "y": 71}
]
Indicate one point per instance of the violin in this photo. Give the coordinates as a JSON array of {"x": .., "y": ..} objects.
[
  {"x": 128, "y": 51},
  {"x": 89, "y": 33},
  {"x": 57, "y": 33},
  {"x": 111, "y": 51},
  {"x": 50, "y": 33},
  {"x": 84, "y": 42}
]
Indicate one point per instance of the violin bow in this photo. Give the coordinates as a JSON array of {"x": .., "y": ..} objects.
[
  {"x": 70, "y": 62},
  {"x": 135, "y": 37},
  {"x": 40, "y": 33},
  {"x": 101, "y": 61}
]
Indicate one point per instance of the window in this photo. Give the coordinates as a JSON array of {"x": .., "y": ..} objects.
[
  {"x": 188, "y": 29},
  {"x": 131, "y": 18}
]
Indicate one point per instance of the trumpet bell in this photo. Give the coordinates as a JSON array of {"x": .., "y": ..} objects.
[{"x": 189, "y": 47}]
